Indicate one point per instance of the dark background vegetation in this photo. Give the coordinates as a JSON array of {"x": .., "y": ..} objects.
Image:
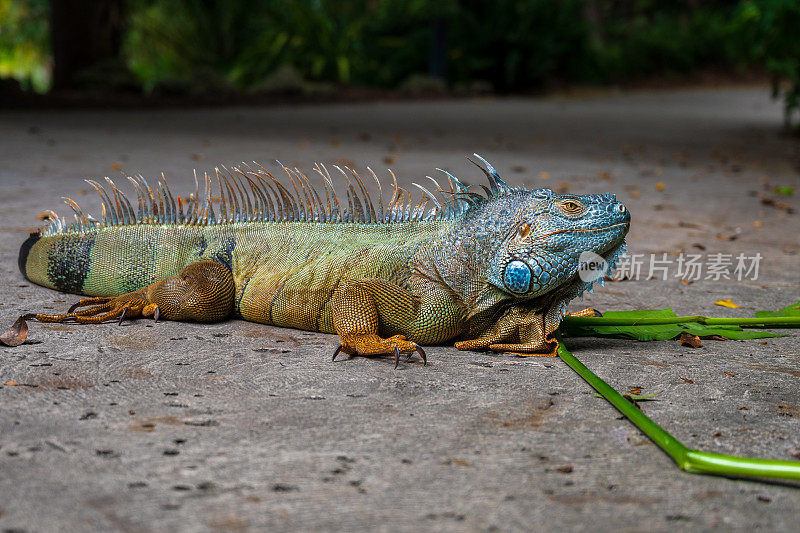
[{"x": 190, "y": 48}]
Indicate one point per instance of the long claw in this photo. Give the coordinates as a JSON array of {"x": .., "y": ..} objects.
[
  {"x": 424, "y": 357},
  {"x": 122, "y": 316},
  {"x": 156, "y": 314},
  {"x": 336, "y": 352},
  {"x": 396, "y": 357}
]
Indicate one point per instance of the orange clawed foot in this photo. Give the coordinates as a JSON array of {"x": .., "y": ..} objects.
[
  {"x": 96, "y": 310},
  {"x": 374, "y": 345},
  {"x": 104, "y": 309}
]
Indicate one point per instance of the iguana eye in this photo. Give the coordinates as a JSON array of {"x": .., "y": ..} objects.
[{"x": 571, "y": 207}]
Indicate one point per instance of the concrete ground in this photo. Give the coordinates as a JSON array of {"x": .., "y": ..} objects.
[{"x": 238, "y": 426}]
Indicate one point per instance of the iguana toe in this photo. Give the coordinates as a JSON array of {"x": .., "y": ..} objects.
[
  {"x": 587, "y": 312},
  {"x": 548, "y": 349}
]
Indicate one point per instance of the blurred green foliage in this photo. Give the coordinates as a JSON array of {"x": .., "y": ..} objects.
[
  {"x": 771, "y": 29},
  {"x": 343, "y": 41},
  {"x": 25, "y": 43},
  {"x": 197, "y": 46}
]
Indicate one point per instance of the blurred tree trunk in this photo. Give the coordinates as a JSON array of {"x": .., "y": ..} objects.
[
  {"x": 593, "y": 15},
  {"x": 437, "y": 62},
  {"x": 84, "y": 33}
]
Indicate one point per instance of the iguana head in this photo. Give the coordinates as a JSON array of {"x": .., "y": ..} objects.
[
  {"x": 518, "y": 244},
  {"x": 544, "y": 240}
]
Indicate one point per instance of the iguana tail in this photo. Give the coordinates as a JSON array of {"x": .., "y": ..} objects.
[{"x": 108, "y": 261}]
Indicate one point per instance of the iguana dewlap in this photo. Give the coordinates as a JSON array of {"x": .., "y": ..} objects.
[{"x": 493, "y": 270}]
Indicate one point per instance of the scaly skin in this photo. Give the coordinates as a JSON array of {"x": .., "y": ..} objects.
[{"x": 496, "y": 274}]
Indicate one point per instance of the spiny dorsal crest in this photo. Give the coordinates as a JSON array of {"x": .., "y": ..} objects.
[{"x": 248, "y": 193}]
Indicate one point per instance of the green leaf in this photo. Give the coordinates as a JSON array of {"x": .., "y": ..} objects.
[
  {"x": 642, "y": 333},
  {"x": 792, "y": 310},
  {"x": 659, "y": 332},
  {"x": 729, "y": 332}
]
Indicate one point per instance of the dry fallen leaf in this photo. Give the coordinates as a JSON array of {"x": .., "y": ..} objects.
[
  {"x": 729, "y": 374},
  {"x": 12, "y": 384},
  {"x": 692, "y": 225},
  {"x": 17, "y": 333},
  {"x": 743, "y": 408},
  {"x": 688, "y": 339},
  {"x": 687, "y": 380},
  {"x": 727, "y": 303},
  {"x": 635, "y": 390},
  {"x": 777, "y": 204}
]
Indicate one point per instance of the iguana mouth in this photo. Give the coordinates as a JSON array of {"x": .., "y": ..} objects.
[{"x": 583, "y": 230}]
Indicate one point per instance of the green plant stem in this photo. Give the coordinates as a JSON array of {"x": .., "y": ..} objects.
[
  {"x": 695, "y": 461},
  {"x": 765, "y": 322}
]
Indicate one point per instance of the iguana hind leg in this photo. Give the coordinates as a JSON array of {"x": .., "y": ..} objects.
[{"x": 202, "y": 291}]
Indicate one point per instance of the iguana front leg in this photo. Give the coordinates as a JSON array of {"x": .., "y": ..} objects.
[
  {"x": 520, "y": 330},
  {"x": 364, "y": 310},
  {"x": 202, "y": 291}
]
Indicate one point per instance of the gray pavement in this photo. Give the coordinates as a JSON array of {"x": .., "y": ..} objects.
[{"x": 239, "y": 426}]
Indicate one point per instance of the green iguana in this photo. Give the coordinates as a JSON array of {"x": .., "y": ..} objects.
[{"x": 494, "y": 270}]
